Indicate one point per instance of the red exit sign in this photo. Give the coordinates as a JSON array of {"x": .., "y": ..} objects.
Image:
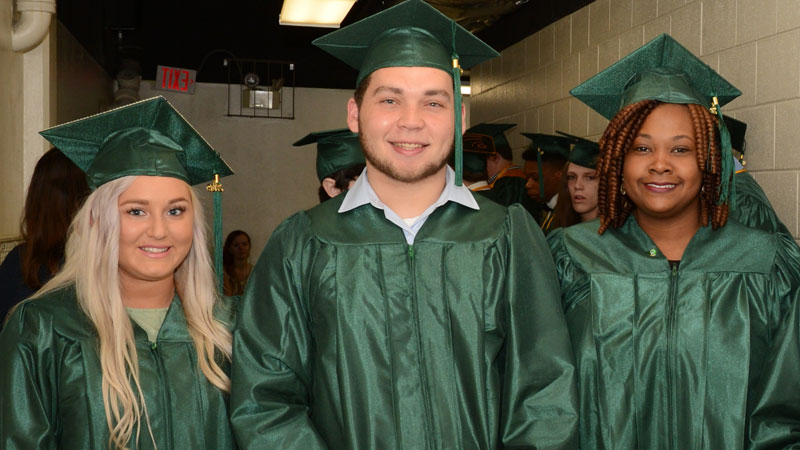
[{"x": 175, "y": 79}]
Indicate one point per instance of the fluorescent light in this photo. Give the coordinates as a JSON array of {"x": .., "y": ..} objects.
[
  {"x": 314, "y": 13},
  {"x": 466, "y": 90}
]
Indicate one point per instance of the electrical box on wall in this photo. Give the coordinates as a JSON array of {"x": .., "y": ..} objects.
[
  {"x": 261, "y": 88},
  {"x": 261, "y": 99}
]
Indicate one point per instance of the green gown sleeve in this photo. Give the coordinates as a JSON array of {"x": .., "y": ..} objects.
[
  {"x": 26, "y": 344},
  {"x": 540, "y": 391},
  {"x": 271, "y": 370},
  {"x": 775, "y": 421},
  {"x": 574, "y": 283},
  {"x": 753, "y": 209}
]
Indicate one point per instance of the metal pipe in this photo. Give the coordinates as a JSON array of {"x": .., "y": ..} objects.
[{"x": 33, "y": 24}]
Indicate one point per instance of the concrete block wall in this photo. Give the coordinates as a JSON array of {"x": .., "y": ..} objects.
[{"x": 754, "y": 44}]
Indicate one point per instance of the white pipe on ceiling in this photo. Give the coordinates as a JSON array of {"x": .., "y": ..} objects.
[{"x": 33, "y": 23}]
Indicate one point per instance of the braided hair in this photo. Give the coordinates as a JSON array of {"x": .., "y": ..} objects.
[{"x": 614, "y": 207}]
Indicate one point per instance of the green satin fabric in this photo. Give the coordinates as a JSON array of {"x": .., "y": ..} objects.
[
  {"x": 351, "y": 339},
  {"x": 404, "y": 47},
  {"x": 671, "y": 359},
  {"x": 776, "y": 420},
  {"x": 137, "y": 151},
  {"x": 663, "y": 84},
  {"x": 50, "y": 383},
  {"x": 753, "y": 209}
]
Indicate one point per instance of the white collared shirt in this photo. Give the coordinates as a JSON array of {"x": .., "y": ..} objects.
[
  {"x": 477, "y": 184},
  {"x": 362, "y": 193},
  {"x": 552, "y": 202}
]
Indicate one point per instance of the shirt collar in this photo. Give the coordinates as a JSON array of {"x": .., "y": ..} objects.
[
  {"x": 362, "y": 193},
  {"x": 552, "y": 202},
  {"x": 477, "y": 184}
]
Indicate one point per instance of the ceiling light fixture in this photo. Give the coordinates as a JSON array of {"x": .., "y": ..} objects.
[{"x": 315, "y": 13}]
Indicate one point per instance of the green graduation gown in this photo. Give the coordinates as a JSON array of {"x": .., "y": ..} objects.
[
  {"x": 669, "y": 358},
  {"x": 50, "y": 383},
  {"x": 753, "y": 209},
  {"x": 352, "y": 339}
]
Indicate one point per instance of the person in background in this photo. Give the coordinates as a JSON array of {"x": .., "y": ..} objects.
[
  {"x": 340, "y": 160},
  {"x": 545, "y": 160},
  {"x": 505, "y": 182},
  {"x": 406, "y": 313},
  {"x": 128, "y": 345},
  {"x": 752, "y": 207},
  {"x": 56, "y": 191},
  {"x": 673, "y": 307},
  {"x": 474, "y": 170},
  {"x": 236, "y": 262},
  {"x": 577, "y": 198}
]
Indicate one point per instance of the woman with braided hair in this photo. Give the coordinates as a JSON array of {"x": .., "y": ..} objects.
[{"x": 672, "y": 307}]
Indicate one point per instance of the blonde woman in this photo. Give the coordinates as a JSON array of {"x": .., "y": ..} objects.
[{"x": 128, "y": 345}]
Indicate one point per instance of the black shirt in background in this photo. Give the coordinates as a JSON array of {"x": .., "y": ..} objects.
[{"x": 12, "y": 286}]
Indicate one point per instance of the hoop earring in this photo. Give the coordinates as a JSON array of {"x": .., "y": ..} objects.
[{"x": 622, "y": 189}]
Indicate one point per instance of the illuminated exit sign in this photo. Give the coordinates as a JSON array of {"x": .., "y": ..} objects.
[{"x": 175, "y": 79}]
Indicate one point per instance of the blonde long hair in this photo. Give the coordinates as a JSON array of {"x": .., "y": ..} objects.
[{"x": 92, "y": 265}]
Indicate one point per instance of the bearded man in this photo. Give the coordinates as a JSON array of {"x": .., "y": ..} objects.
[{"x": 406, "y": 313}]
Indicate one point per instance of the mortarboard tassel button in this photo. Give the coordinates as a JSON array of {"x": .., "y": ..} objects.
[{"x": 215, "y": 186}]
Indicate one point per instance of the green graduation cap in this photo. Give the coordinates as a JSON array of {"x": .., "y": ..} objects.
[
  {"x": 410, "y": 34},
  {"x": 489, "y": 138},
  {"x": 336, "y": 150},
  {"x": 545, "y": 144},
  {"x": 149, "y": 137},
  {"x": 584, "y": 152},
  {"x": 661, "y": 70},
  {"x": 666, "y": 71}
]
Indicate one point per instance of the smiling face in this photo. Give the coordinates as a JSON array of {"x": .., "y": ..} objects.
[
  {"x": 660, "y": 171},
  {"x": 155, "y": 234},
  {"x": 582, "y": 183},
  {"x": 406, "y": 122}
]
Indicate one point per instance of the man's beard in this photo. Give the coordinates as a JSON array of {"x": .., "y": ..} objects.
[{"x": 384, "y": 166}]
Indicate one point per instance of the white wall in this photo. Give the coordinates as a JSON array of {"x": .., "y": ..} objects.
[{"x": 755, "y": 44}]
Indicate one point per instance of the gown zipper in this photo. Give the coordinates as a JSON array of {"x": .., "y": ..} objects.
[
  {"x": 669, "y": 353},
  {"x": 165, "y": 397},
  {"x": 425, "y": 394}
]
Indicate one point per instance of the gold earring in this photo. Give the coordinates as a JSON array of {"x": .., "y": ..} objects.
[{"x": 622, "y": 188}]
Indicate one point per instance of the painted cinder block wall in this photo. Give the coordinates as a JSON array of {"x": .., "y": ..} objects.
[{"x": 755, "y": 44}]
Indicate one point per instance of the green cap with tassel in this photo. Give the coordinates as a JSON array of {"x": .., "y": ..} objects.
[
  {"x": 410, "y": 34},
  {"x": 666, "y": 71}
]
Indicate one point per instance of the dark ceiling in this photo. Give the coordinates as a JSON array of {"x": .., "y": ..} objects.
[{"x": 200, "y": 35}]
